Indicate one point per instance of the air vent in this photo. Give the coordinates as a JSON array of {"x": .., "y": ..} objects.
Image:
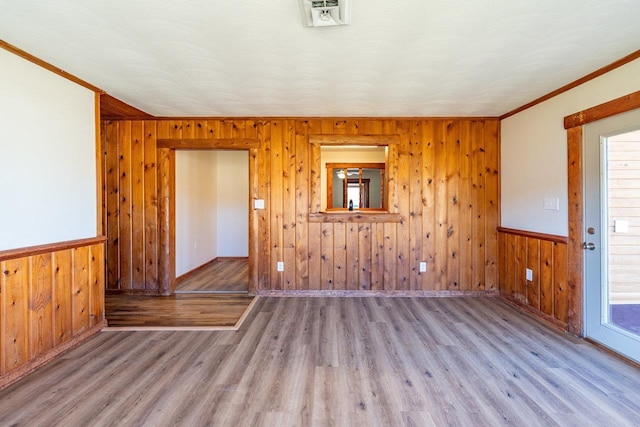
[{"x": 325, "y": 13}]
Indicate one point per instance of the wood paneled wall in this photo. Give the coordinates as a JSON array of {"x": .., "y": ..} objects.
[
  {"x": 447, "y": 193},
  {"x": 547, "y": 294},
  {"x": 51, "y": 297}
]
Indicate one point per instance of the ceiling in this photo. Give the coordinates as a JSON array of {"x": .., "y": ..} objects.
[{"x": 255, "y": 58}]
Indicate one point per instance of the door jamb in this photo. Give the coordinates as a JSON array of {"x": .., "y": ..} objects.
[{"x": 166, "y": 149}]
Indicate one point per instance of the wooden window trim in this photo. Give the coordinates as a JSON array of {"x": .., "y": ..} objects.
[{"x": 391, "y": 179}]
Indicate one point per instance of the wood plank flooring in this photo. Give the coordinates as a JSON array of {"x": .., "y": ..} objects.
[
  {"x": 337, "y": 361},
  {"x": 221, "y": 275},
  {"x": 184, "y": 310}
]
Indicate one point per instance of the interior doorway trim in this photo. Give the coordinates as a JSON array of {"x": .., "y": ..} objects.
[
  {"x": 573, "y": 124},
  {"x": 167, "y": 201}
]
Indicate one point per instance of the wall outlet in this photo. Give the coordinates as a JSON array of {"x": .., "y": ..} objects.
[
  {"x": 423, "y": 267},
  {"x": 258, "y": 203},
  {"x": 280, "y": 266},
  {"x": 529, "y": 274}
]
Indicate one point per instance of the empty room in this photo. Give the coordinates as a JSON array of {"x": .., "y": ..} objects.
[{"x": 330, "y": 212}]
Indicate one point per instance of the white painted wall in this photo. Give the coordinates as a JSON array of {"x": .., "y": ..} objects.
[
  {"x": 233, "y": 203},
  {"x": 534, "y": 151},
  {"x": 196, "y": 212},
  {"x": 47, "y": 156}
]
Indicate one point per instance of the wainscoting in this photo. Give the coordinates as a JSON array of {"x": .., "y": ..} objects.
[
  {"x": 546, "y": 295},
  {"x": 52, "y": 298}
]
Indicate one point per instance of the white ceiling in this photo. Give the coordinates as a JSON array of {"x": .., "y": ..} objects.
[{"x": 255, "y": 58}]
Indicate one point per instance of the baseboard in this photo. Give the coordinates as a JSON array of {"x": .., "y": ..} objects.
[
  {"x": 25, "y": 369},
  {"x": 550, "y": 320},
  {"x": 389, "y": 293},
  {"x": 149, "y": 292}
]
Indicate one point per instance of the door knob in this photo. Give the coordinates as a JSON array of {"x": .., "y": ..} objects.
[{"x": 590, "y": 246}]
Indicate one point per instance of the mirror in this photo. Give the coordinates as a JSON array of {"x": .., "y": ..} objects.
[{"x": 356, "y": 174}]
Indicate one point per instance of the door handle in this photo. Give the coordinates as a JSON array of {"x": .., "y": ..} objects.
[{"x": 590, "y": 246}]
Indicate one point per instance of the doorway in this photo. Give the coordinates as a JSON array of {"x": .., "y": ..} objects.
[
  {"x": 612, "y": 232},
  {"x": 212, "y": 221}
]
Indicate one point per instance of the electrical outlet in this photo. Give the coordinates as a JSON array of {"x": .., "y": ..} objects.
[
  {"x": 280, "y": 266},
  {"x": 529, "y": 274},
  {"x": 552, "y": 204},
  {"x": 423, "y": 267}
]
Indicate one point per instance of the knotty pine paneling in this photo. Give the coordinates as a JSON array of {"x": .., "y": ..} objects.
[
  {"x": 447, "y": 193},
  {"x": 48, "y": 300},
  {"x": 546, "y": 256}
]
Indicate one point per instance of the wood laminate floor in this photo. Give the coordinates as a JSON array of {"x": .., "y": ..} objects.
[
  {"x": 221, "y": 275},
  {"x": 184, "y": 310},
  {"x": 337, "y": 361}
]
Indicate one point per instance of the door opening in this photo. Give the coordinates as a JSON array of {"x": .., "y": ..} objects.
[{"x": 212, "y": 221}]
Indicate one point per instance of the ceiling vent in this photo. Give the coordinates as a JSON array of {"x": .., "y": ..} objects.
[{"x": 325, "y": 13}]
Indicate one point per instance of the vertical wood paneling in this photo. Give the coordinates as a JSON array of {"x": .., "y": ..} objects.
[
  {"x": 546, "y": 294},
  {"x": 302, "y": 204},
  {"x": 46, "y": 301},
  {"x": 150, "y": 207},
  {"x": 492, "y": 201},
  {"x": 113, "y": 204},
  {"x": 41, "y": 305},
  {"x": 442, "y": 179},
  {"x": 416, "y": 205},
  {"x": 546, "y": 277},
  {"x": 479, "y": 208},
  {"x": 465, "y": 207},
  {"x": 63, "y": 308},
  {"x": 452, "y": 143},
  {"x": 15, "y": 287},
  {"x": 533, "y": 263},
  {"x": 80, "y": 290}
]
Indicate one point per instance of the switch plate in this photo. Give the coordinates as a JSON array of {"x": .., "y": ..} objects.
[
  {"x": 552, "y": 204},
  {"x": 280, "y": 266},
  {"x": 423, "y": 267},
  {"x": 620, "y": 226},
  {"x": 529, "y": 274},
  {"x": 258, "y": 203}
]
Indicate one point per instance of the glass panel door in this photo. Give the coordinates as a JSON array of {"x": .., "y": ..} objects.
[{"x": 612, "y": 233}]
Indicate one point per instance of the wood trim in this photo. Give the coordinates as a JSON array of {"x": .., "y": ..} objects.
[
  {"x": 386, "y": 293},
  {"x": 622, "y": 61},
  {"x": 114, "y": 109},
  {"x": 166, "y": 213},
  {"x": 99, "y": 169},
  {"x": 209, "y": 144},
  {"x": 356, "y": 165},
  {"x": 602, "y": 111},
  {"x": 49, "y": 247},
  {"x": 166, "y": 221},
  {"x": 549, "y": 237},
  {"x": 613, "y": 353},
  {"x": 348, "y": 216},
  {"x": 576, "y": 225},
  {"x": 315, "y": 118},
  {"x": 47, "y": 66},
  {"x": 18, "y": 373},
  {"x": 380, "y": 140}
]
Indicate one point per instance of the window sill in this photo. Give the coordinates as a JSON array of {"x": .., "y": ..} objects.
[{"x": 350, "y": 216}]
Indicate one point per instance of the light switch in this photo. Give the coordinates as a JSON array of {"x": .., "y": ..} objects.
[
  {"x": 423, "y": 267},
  {"x": 258, "y": 203},
  {"x": 552, "y": 204},
  {"x": 529, "y": 274},
  {"x": 620, "y": 226}
]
